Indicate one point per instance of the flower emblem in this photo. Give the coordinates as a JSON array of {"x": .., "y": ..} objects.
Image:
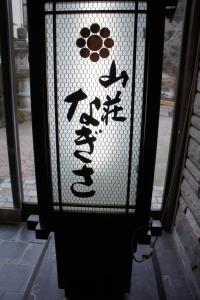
[{"x": 95, "y": 42}]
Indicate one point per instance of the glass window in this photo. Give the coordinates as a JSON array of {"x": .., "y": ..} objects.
[
  {"x": 21, "y": 51},
  {"x": 172, "y": 51},
  {"x": 6, "y": 199}
]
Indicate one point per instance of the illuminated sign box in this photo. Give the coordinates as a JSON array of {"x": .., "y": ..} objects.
[
  {"x": 95, "y": 84},
  {"x": 95, "y": 77}
]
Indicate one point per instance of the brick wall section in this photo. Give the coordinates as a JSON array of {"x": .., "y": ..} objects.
[{"x": 188, "y": 217}]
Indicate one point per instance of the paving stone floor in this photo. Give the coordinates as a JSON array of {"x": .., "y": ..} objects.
[
  {"x": 28, "y": 269},
  {"x": 19, "y": 254},
  {"x": 176, "y": 280},
  {"x": 146, "y": 280},
  {"x": 45, "y": 287}
]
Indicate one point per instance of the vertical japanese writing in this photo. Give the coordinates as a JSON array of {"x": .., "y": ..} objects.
[{"x": 112, "y": 110}]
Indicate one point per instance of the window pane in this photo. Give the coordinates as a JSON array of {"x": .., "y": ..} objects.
[
  {"x": 172, "y": 51},
  {"x": 6, "y": 199},
  {"x": 81, "y": 61},
  {"x": 23, "y": 100}
]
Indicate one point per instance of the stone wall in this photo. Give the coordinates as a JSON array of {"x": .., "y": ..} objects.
[{"x": 188, "y": 218}]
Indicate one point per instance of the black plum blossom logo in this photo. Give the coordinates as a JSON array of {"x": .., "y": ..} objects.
[{"x": 95, "y": 42}]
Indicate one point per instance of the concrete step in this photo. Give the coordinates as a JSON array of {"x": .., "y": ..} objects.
[
  {"x": 172, "y": 278},
  {"x": 143, "y": 284}
]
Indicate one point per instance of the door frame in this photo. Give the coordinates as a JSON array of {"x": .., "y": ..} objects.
[
  {"x": 10, "y": 104},
  {"x": 186, "y": 89}
]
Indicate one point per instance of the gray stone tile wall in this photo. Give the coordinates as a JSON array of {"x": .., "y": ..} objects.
[{"x": 188, "y": 217}]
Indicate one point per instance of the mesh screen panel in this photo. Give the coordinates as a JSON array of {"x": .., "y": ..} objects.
[{"x": 67, "y": 73}]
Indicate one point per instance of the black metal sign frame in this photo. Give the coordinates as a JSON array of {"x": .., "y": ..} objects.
[{"x": 150, "y": 113}]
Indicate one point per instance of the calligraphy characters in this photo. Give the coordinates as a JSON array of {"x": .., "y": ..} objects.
[{"x": 84, "y": 136}]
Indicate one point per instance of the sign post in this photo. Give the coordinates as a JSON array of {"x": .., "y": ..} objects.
[{"x": 95, "y": 86}]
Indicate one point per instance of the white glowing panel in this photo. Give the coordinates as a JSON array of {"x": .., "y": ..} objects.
[{"x": 95, "y": 70}]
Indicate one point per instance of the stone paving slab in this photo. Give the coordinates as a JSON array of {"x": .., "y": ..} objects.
[
  {"x": 143, "y": 283},
  {"x": 20, "y": 252},
  {"x": 175, "y": 288},
  {"x": 9, "y": 232},
  {"x": 28, "y": 236},
  {"x": 31, "y": 253},
  {"x": 10, "y": 253},
  {"x": 170, "y": 262},
  {"x": 45, "y": 287},
  {"x": 12, "y": 296},
  {"x": 15, "y": 277},
  {"x": 171, "y": 269}
]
